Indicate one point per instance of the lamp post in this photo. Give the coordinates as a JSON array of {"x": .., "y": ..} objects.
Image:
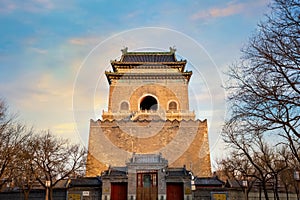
[
  {"x": 47, "y": 184},
  {"x": 297, "y": 179},
  {"x": 296, "y": 175},
  {"x": 245, "y": 185},
  {"x": 193, "y": 186}
]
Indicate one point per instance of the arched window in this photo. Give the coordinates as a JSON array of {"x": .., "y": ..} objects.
[
  {"x": 124, "y": 106},
  {"x": 172, "y": 105},
  {"x": 148, "y": 103}
]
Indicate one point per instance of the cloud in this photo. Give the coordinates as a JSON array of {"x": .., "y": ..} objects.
[
  {"x": 77, "y": 41},
  {"x": 88, "y": 40},
  {"x": 39, "y": 51},
  {"x": 227, "y": 11},
  {"x": 64, "y": 128},
  {"x": 37, "y": 4},
  {"x": 230, "y": 9},
  {"x": 134, "y": 14},
  {"x": 32, "y": 6},
  {"x": 7, "y": 6}
]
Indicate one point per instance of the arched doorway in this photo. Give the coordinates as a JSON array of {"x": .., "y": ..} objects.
[{"x": 148, "y": 103}]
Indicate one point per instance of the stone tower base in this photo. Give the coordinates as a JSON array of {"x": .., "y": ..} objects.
[{"x": 182, "y": 143}]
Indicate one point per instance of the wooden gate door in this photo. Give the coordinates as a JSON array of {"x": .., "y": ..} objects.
[
  {"x": 147, "y": 186},
  {"x": 175, "y": 191},
  {"x": 118, "y": 191}
]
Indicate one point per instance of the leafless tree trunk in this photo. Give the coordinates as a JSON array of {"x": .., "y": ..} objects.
[
  {"x": 12, "y": 136},
  {"x": 56, "y": 159},
  {"x": 265, "y": 85},
  {"x": 264, "y": 95},
  {"x": 252, "y": 156}
]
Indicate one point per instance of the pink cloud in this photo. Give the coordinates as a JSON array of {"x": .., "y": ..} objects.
[{"x": 229, "y": 10}]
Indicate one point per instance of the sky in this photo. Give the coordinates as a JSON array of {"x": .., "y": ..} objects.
[{"x": 53, "y": 55}]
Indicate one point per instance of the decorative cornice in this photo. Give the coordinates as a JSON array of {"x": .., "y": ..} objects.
[
  {"x": 117, "y": 76},
  {"x": 144, "y": 65},
  {"x": 116, "y": 62}
]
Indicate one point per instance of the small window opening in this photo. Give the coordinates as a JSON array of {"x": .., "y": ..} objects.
[
  {"x": 172, "y": 105},
  {"x": 124, "y": 106}
]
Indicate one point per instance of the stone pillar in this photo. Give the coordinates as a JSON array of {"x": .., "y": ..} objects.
[
  {"x": 106, "y": 189},
  {"x": 131, "y": 184},
  {"x": 162, "y": 187}
]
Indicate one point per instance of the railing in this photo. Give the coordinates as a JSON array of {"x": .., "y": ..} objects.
[{"x": 150, "y": 114}]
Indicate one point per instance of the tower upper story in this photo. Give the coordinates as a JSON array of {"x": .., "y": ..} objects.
[{"x": 148, "y": 85}]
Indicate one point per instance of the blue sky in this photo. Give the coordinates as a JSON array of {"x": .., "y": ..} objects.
[{"x": 46, "y": 45}]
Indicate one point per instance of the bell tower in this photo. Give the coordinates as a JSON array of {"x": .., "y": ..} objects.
[
  {"x": 152, "y": 84},
  {"x": 148, "y": 112}
]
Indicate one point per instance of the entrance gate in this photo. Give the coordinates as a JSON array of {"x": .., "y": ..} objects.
[
  {"x": 174, "y": 191},
  {"x": 118, "y": 191},
  {"x": 147, "y": 186}
]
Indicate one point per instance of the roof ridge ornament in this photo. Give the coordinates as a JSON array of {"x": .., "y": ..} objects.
[
  {"x": 124, "y": 50},
  {"x": 173, "y": 49}
]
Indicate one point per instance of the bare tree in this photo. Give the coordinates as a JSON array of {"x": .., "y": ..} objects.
[
  {"x": 237, "y": 168},
  {"x": 264, "y": 98},
  {"x": 26, "y": 157},
  {"x": 12, "y": 136},
  {"x": 265, "y": 85},
  {"x": 252, "y": 157},
  {"x": 288, "y": 182},
  {"x": 290, "y": 178},
  {"x": 55, "y": 159},
  {"x": 24, "y": 175}
]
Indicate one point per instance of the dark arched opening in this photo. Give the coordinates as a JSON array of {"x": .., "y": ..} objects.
[{"x": 148, "y": 103}]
